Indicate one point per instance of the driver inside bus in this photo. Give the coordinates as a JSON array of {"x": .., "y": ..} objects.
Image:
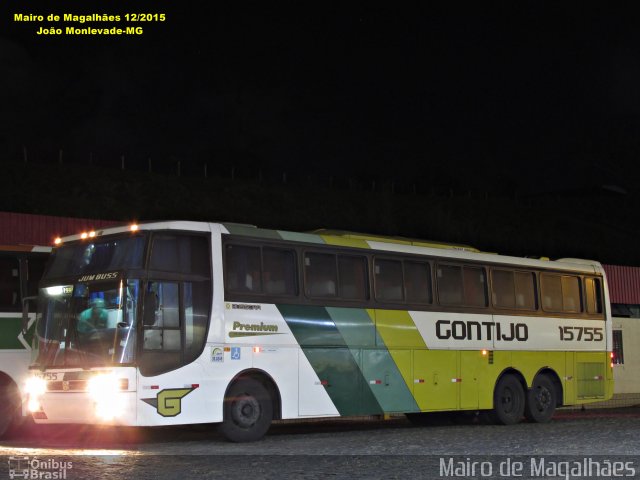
[{"x": 93, "y": 318}]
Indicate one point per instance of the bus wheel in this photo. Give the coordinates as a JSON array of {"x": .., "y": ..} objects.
[
  {"x": 508, "y": 401},
  {"x": 248, "y": 411},
  {"x": 10, "y": 414},
  {"x": 541, "y": 400}
]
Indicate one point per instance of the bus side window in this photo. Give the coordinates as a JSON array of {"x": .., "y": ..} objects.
[
  {"x": 279, "y": 273},
  {"x": 503, "y": 288},
  {"x": 352, "y": 273},
  {"x": 571, "y": 301},
  {"x": 417, "y": 282},
  {"x": 593, "y": 294},
  {"x": 388, "y": 280},
  {"x": 475, "y": 287},
  {"x": 449, "y": 278},
  {"x": 511, "y": 289},
  {"x": 525, "y": 290},
  {"x": 243, "y": 269},
  {"x": 320, "y": 274}
]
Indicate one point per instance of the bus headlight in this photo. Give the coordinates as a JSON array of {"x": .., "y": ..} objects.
[
  {"x": 106, "y": 391},
  {"x": 35, "y": 387}
]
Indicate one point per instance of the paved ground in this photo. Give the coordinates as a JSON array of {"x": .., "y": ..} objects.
[{"x": 338, "y": 449}]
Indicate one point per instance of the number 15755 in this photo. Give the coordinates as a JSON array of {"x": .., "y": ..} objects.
[{"x": 584, "y": 334}]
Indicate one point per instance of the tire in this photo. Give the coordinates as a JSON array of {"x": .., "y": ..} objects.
[
  {"x": 248, "y": 411},
  {"x": 508, "y": 401},
  {"x": 10, "y": 409},
  {"x": 541, "y": 400}
]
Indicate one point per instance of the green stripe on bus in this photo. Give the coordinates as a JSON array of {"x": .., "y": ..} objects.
[
  {"x": 337, "y": 366},
  {"x": 249, "y": 231},
  {"x": 9, "y": 331},
  {"x": 301, "y": 237},
  {"x": 378, "y": 367}
]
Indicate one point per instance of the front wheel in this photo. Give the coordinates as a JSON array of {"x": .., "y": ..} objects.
[
  {"x": 248, "y": 411},
  {"x": 541, "y": 400},
  {"x": 10, "y": 409},
  {"x": 508, "y": 401}
]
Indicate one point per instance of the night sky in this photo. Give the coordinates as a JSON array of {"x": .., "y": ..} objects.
[{"x": 536, "y": 96}]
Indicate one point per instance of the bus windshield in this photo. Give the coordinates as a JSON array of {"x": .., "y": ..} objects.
[
  {"x": 97, "y": 256},
  {"x": 87, "y": 324}
]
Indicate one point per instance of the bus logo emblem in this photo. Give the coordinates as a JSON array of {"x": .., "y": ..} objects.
[{"x": 168, "y": 402}]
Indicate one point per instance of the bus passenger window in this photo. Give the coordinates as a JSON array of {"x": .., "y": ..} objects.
[
  {"x": 320, "y": 274},
  {"x": 551, "y": 290},
  {"x": 243, "y": 269},
  {"x": 503, "y": 288},
  {"x": 417, "y": 282},
  {"x": 560, "y": 293},
  {"x": 475, "y": 292},
  {"x": 279, "y": 271},
  {"x": 352, "y": 272},
  {"x": 594, "y": 295},
  {"x": 571, "y": 294},
  {"x": 525, "y": 290},
  {"x": 449, "y": 284},
  {"x": 388, "y": 280},
  {"x": 511, "y": 289}
]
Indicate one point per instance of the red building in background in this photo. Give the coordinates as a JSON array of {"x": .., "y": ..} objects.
[{"x": 27, "y": 229}]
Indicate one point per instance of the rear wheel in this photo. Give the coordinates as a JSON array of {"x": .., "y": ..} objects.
[
  {"x": 508, "y": 401},
  {"x": 248, "y": 411},
  {"x": 541, "y": 400},
  {"x": 10, "y": 409}
]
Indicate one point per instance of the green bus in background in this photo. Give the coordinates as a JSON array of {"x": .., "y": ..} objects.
[{"x": 21, "y": 268}]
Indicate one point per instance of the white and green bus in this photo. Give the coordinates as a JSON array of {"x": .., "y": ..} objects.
[
  {"x": 20, "y": 270},
  {"x": 185, "y": 322}
]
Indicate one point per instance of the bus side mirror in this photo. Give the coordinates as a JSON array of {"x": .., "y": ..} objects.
[{"x": 25, "y": 313}]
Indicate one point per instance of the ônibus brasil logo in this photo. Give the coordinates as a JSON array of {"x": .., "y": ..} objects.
[{"x": 36, "y": 468}]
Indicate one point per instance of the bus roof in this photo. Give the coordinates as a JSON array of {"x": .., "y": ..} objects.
[{"x": 355, "y": 240}]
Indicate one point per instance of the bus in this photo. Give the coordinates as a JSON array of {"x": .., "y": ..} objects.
[
  {"x": 181, "y": 322},
  {"x": 20, "y": 270}
]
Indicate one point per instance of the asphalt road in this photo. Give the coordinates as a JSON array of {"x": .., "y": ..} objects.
[{"x": 343, "y": 449}]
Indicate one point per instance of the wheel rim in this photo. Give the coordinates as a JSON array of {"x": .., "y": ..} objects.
[
  {"x": 508, "y": 401},
  {"x": 245, "y": 411},
  {"x": 542, "y": 399}
]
